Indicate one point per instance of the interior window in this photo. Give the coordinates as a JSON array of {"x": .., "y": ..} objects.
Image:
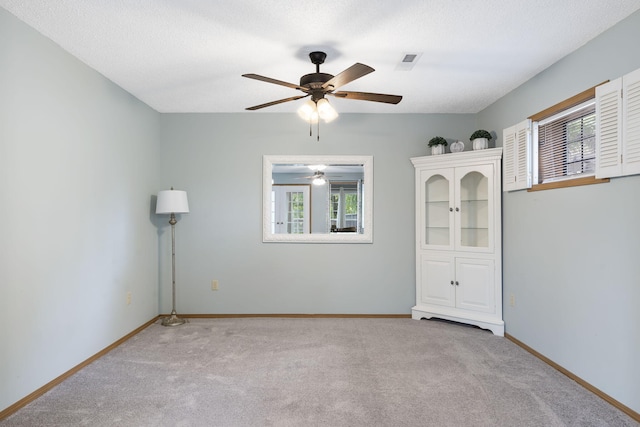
[{"x": 565, "y": 144}]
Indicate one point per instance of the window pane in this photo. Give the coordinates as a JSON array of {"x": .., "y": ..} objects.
[
  {"x": 295, "y": 213},
  {"x": 566, "y": 144}
]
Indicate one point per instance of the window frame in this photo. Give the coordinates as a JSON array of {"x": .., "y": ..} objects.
[
  {"x": 570, "y": 181},
  {"x": 557, "y": 154}
]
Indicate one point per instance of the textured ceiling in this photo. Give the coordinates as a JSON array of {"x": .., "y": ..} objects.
[{"x": 189, "y": 55}]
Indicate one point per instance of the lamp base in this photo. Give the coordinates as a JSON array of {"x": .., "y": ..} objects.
[{"x": 173, "y": 320}]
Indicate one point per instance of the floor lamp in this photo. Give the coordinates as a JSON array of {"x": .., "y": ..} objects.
[{"x": 172, "y": 202}]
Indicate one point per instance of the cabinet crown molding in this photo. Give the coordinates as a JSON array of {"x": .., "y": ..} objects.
[{"x": 457, "y": 159}]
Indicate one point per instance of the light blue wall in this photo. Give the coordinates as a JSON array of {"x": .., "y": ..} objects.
[
  {"x": 217, "y": 158},
  {"x": 79, "y": 163},
  {"x": 571, "y": 255}
]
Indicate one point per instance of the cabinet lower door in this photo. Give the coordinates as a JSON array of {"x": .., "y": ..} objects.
[
  {"x": 436, "y": 279},
  {"x": 475, "y": 284}
]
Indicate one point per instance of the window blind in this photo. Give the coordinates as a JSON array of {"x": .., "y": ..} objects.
[{"x": 566, "y": 143}]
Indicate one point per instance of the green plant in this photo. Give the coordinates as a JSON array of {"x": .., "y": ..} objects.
[
  {"x": 437, "y": 140},
  {"x": 480, "y": 134}
]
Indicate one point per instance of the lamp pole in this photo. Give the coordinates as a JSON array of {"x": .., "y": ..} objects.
[
  {"x": 172, "y": 202},
  {"x": 173, "y": 319}
]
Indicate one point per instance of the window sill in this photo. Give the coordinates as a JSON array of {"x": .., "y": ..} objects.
[{"x": 587, "y": 180}]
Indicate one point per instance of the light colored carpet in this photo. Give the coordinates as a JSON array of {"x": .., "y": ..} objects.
[{"x": 318, "y": 372}]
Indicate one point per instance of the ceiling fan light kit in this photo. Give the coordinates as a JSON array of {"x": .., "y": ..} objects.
[
  {"x": 317, "y": 85},
  {"x": 320, "y": 178},
  {"x": 325, "y": 111},
  {"x": 308, "y": 112}
]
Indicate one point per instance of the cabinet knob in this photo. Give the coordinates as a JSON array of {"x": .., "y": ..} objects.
[
  {"x": 457, "y": 284},
  {"x": 450, "y": 209},
  {"x": 452, "y": 283},
  {"x": 457, "y": 209}
]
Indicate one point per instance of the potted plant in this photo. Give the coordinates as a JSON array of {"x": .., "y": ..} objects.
[
  {"x": 480, "y": 139},
  {"x": 437, "y": 144}
]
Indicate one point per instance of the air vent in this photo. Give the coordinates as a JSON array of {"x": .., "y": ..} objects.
[{"x": 408, "y": 61}]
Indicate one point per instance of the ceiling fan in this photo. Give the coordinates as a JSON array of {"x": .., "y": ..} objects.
[
  {"x": 318, "y": 178},
  {"x": 317, "y": 85}
]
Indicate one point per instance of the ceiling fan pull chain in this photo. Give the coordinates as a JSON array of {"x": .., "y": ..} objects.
[{"x": 318, "y": 133}]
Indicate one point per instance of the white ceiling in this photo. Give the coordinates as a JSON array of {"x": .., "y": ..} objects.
[{"x": 189, "y": 55}]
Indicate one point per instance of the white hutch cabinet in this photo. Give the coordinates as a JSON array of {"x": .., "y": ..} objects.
[{"x": 458, "y": 238}]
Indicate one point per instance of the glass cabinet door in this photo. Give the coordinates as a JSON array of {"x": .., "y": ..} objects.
[
  {"x": 437, "y": 187},
  {"x": 474, "y": 206}
]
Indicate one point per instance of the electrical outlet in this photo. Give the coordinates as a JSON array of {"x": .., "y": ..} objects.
[
  {"x": 214, "y": 285},
  {"x": 512, "y": 300},
  {"x": 128, "y": 298}
]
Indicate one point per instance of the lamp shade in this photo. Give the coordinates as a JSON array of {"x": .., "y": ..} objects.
[
  {"x": 326, "y": 111},
  {"x": 308, "y": 112},
  {"x": 172, "y": 201}
]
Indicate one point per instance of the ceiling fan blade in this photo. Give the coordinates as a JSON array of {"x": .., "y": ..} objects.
[
  {"x": 274, "y": 81},
  {"x": 319, "y": 176},
  {"x": 280, "y": 101},
  {"x": 356, "y": 71},
  {"x": 366, "y": 96}
]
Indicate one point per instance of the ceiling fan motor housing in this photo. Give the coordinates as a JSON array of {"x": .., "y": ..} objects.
[{"x": 315, "y": 80}]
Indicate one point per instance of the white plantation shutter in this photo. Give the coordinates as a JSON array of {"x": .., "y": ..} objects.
[
  {"x": 631, "y": 123},
  {"x": 523, "y": 158},
  {"x": 618, "y": 141},
  {"x": 516, "y": 145},
  {"x": 508, "y": 160},
  {"x": 609, "y": 129}
]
